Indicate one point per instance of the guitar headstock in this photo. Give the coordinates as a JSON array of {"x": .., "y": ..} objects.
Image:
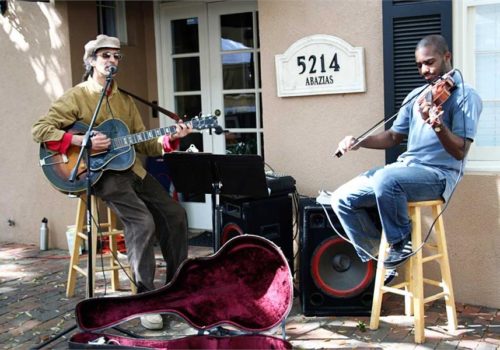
[{"x": 205, "y": 122}]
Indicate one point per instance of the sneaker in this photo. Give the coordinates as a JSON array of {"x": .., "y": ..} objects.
[
  {"x": 398, "y": 253},
  {"x": 152, "y": 321}
]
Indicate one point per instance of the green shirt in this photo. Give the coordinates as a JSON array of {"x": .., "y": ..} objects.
[{"x": 79, "y": 103}]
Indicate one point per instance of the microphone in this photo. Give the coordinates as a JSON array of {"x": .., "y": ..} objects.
[{"x": 112, "y": 69}]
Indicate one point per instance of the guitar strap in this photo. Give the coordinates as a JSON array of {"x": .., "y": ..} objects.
[{"x": 157, "y": 108}]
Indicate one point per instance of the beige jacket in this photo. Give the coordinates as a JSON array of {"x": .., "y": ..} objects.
[{"x": 79, "y": 103}]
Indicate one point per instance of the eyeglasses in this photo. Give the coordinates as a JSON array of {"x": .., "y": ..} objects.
[{"x": 108, "y": 55}]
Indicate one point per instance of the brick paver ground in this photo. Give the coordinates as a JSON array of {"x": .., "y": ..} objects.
[{"x": 34, "y": 308}]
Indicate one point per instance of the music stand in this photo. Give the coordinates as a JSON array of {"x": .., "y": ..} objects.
[{"x": 217, "y": 174}]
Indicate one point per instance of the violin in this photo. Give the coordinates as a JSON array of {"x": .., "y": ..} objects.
[
  {"x": 437, "y": 94},
  {"x": 441, "y": 91}
]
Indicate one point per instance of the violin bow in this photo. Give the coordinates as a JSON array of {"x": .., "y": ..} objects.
[{"x": 384, "y": 121}]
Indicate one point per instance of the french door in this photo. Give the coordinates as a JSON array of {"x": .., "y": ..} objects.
[{"x": 208, "y": 54}]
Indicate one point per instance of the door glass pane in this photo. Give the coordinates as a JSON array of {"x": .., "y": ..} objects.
[
  {"x": 189, "y": 106},
  {"x": 185, "y": 35},
  {"x": 239, "y": 111},
  {"x": 237, "y": 71},
  {"x": 241, "y": 143},
  {"x": 236, "y": 31},
  {"x": 187, "y": 74}
]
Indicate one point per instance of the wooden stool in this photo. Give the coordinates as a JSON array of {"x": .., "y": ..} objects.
[
  {"x": 101, "y": 229},
  {"x": 412, "y": 288}
]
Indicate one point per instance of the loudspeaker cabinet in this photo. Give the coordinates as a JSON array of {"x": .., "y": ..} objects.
[
  {"x": 269, "y": 217},
  {"x": 333, "y": 280}
]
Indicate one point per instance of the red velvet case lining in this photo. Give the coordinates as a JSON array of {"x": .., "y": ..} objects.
[{"x": 247, "y": 284}]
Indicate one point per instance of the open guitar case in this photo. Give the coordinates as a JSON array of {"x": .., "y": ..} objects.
[{"x": 247, "y": 284}]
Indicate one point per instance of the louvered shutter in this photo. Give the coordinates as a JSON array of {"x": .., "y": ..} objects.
[{"x": 405, "y": 22}]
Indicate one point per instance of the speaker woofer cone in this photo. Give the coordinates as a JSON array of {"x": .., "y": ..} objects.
[
  {"x": 230, "y": 230},
  {"x": 337, "y": 270}
]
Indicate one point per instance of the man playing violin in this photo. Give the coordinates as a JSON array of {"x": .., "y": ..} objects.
[
  {"x": 439, "y": 133},
  {"x": 138, "y": 199}
]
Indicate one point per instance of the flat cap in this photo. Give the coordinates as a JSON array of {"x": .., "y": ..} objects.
[{"x": 102, "y": 41}]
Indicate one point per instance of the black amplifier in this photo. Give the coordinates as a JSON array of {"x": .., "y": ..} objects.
[{"x": 280, "y": 184}]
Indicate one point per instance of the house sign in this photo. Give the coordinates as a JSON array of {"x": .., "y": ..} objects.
[{"x": 320, "y": 64}]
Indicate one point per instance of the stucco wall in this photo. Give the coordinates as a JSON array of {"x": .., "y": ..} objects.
[
  {"x": 301, "y": 134},
  {"x": 472, "y": 224},
  {"x": 35, "y": 70}
]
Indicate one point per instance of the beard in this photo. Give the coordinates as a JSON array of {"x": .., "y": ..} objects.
[{"x": 432, "y": 77}]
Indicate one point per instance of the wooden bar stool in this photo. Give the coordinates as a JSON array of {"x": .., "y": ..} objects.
[
  {"x": 102, "y": 229},
  {"x": 412, "y": 288}
]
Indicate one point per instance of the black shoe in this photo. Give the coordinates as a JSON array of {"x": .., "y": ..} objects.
[
  {"x": 390, "y": 274},
  {"x": 398, "y": 253}
]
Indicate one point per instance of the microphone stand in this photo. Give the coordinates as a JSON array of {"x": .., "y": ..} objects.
[{"x": 86, "y": 149}]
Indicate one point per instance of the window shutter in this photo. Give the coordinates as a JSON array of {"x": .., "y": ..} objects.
[{"x": 405, "y": 22}]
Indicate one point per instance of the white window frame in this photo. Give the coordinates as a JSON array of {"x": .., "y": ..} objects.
[{"x": 481, "y": 160}]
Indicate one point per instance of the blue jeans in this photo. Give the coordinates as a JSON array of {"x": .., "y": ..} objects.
[{"x": 388, "y": 189}]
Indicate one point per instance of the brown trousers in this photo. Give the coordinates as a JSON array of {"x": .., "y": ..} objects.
[{"x": 146, "y": 211}]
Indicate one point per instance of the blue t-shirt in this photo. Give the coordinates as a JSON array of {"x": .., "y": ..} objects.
[{"x": 461, "y": 116}]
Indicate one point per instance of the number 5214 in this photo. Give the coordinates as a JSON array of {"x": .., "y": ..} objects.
[{"x": 312, "y": 63}]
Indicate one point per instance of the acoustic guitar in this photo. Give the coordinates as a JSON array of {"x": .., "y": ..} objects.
[{"x": 120, "y": 156}]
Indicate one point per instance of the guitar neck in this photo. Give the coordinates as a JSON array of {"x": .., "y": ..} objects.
[{"x": 132, "y": 139}]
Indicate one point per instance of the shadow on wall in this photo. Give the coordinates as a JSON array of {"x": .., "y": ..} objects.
[
  {"x": 34, "y": 71},
  {"x": 33, "y": 29}
]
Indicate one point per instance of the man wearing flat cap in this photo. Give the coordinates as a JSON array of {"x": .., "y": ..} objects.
[{"x": 142, "y": 204}]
